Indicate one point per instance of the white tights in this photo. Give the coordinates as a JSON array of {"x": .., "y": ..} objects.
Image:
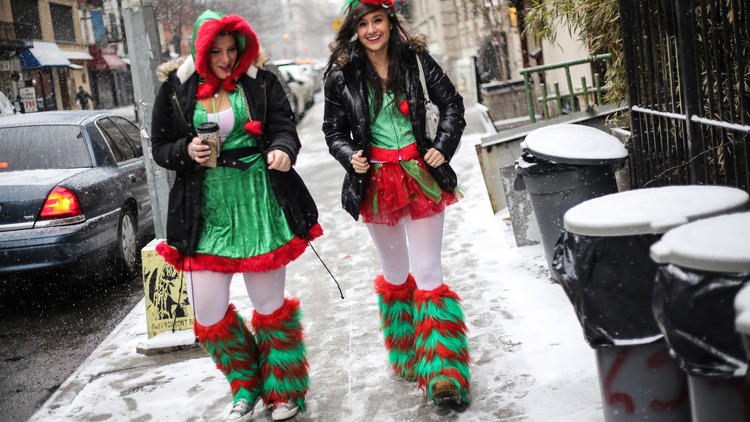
[
  {"x": 425, "y": 238},
  {"x": 208, "y": 292}
]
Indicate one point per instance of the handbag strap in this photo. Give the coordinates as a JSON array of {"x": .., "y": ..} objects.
[{"x": 421, "y": 79}]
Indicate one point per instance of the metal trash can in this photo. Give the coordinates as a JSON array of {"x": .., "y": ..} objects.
[
  {"x": 603, "y": 264},
  {"x": 563, "y": 165},
  {"x": 742, "y": 320},
  {"x": 703, "y": 265}
]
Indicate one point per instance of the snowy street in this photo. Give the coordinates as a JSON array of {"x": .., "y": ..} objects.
[{"x": 530, "y": 361}]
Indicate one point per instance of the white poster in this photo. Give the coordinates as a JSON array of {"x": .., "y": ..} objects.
[{"x": 28, "y": 97}]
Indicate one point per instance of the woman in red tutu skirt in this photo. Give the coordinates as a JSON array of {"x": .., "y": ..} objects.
[{"x": 399, "y": 181}]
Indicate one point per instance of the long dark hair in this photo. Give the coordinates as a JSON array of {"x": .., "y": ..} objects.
[{"x": 346, "y": 41}]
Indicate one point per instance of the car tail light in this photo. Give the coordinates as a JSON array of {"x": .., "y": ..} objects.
[{"x": 60, "y": 203}]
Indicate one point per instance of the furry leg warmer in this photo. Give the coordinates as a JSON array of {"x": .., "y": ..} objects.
[
  {"x": 233, "y": 349},
  {"x": 283, "y": 363},
  {"x": 396, "y": 303},
  {"x": 442, "y": 352}
]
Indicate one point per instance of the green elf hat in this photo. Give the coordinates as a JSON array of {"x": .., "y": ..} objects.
[{"x": 351, "y": 4}]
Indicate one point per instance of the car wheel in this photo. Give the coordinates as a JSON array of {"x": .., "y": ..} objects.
[{"x": 127, "y": 242}]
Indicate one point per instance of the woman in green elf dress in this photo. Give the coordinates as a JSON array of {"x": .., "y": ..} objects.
[{"x": 251, "y": 214}]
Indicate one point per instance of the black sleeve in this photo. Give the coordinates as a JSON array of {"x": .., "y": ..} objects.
[
  {"x": 336, "y": 126},
  {"x": 443, "y": 94},
  {"x": 279, "y": 127},
  {"x": 168, "y": 147}
]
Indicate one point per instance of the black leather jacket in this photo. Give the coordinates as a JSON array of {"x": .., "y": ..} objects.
[
  {"x": 172, "y": 129},
  {"x": 347, "y": 127}
]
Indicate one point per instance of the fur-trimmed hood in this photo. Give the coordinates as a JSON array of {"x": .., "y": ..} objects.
[
  {"x": 207, "y": 27},
  {"x": 185, "y": 67},
  {"x": 418, "y": 43}
]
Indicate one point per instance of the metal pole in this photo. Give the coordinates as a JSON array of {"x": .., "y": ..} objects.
[
  {"x": 144, "y": 51},
  {"x": 636, "y": 150},
  {"x": 689, "y": 84}
]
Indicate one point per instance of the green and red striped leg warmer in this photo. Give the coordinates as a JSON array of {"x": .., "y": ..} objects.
[
  {"x": 442, "y": 351},
  {"x": 283, "y": 364},
  {"x": 396, "y": 303},
  {"x": 232, "y": 347}
]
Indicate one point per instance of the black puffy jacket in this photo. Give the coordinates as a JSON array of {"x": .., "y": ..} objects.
[
  {"x": 347, "y": 127},
  {"x": 172, "y": 129}
]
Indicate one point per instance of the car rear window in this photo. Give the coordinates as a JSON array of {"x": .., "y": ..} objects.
[{"x": 43, "y": 147}]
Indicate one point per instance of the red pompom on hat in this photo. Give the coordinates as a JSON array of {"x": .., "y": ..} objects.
[
  {"x": 254, "y": 128},
  {"x": 403, "y": 107}
]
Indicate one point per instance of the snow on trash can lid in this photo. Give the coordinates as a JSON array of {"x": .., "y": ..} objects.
[
  {"x": 651, "y": 210},
  {"x": 719, "y": 244},
  {"x": 742, "y": 310},
  {"x": 574, "y": 144}
]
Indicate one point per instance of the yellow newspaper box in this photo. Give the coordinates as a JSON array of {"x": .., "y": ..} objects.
[{"x": 165, "y": 290}]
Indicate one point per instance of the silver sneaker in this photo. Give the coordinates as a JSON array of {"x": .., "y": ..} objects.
[
  {"x": 242, "y": 411},
  {"x": 284, "y": 410}
]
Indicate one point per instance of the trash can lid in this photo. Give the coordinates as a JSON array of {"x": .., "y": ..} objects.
[
  {"x": 651, "y": 210},
  {"x": 742, "y": 310},
  {"x": 574, "y": 144},
  {"x": 720, "y": 244}
]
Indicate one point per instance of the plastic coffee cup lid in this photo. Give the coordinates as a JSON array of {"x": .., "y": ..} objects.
[
  {"x": 651, "y": 210},
  {"x": 574, "y": 144},
  {"x": 207, "y": 127},
  {"x": 720, "y": 244}
]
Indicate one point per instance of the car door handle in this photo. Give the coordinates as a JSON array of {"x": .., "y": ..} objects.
[{"x": 132, "y": 178}]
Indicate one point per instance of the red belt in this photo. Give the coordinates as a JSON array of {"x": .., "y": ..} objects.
[{"x": 408, "y": 152}]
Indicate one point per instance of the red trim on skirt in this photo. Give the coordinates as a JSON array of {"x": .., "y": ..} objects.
[
  {"x": 399, "y": 195},
  {"x": 273, "y": 260}
]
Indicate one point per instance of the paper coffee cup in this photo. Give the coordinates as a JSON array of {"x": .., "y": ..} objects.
[{"x": 208, "y": 132}]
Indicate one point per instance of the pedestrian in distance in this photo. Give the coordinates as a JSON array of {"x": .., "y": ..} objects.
[
  {"x": 399, "y": 181},
  {"x": 251, "y": 214},
  {"x": 82, "y": 98}
]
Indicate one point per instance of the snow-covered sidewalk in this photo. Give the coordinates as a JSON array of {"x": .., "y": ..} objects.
[{"x": 530, "y": 360}]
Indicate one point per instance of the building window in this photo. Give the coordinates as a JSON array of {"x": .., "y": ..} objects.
[
  {"x": 62, "y": 16},
  {"x": 26, "y": 19}
]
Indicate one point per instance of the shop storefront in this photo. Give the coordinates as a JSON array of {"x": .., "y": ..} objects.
[
  {"x": 78, "y": 72},
  {"x": 45, "y": 76},
  {"x": 111, "y": 81}
]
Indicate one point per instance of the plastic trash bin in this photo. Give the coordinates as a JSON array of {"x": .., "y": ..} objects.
[
  {"x": 564, "y": 165},
  {"x": 702, "y": 267},
  {"x": 603, "y": 264}
]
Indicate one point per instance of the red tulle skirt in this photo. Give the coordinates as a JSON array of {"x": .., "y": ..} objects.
[{"x": 392, "y": 193}]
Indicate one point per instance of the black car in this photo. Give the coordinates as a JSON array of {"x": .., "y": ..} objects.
[{"x": 73, "y": 192}]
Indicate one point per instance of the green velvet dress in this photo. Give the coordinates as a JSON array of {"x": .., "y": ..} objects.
[
  {"x": 242, "y": 227},
  {"x": 240, "y": 217}
]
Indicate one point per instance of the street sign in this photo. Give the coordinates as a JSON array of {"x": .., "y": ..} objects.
[
  {"x": 28, "y": 97},
  {"x": 337, "y": 24}
]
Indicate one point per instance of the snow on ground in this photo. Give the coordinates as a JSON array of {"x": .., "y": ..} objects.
[{"x": 530, "y": 360}]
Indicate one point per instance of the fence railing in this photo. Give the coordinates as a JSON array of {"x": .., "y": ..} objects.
[
  {"x": 595, "y": 90},
  {"x": 689, "y": 90}
]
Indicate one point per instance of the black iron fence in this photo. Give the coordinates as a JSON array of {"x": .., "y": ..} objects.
[{"x": 688, "y": 70}]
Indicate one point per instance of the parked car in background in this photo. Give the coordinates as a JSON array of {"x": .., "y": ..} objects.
[
  {"x": 296, "y": 102},
  {"x": 301, "y": 84},
  {"x": 73, "y": 193},
  {"x": 6, "y": 107}
]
